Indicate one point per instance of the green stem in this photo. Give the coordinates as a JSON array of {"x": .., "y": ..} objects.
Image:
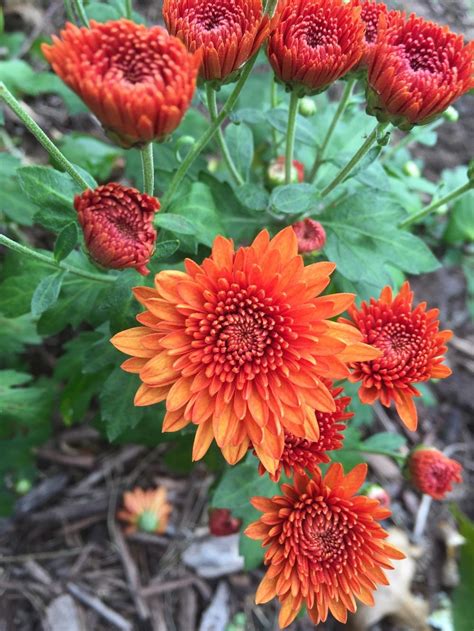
[
  {"x": 270, "y": 6},
  {"x": 208, "y": 135},
  {"x": 409, "y": 139},
  {"x": 345, "y": 98},
  {"x": 433, "y": 206},
  {"x": 128, "y": 9},
  {"x": 81, "y": 12},
  {"x": 41, "y": 137},
  {"x": 361, "y": 152},
  {"x": 212, "y": 106},
  {"x": 148, "y": 169},
  {"x": 23, "y": 249},
  {"x": 290, "y": 135}
]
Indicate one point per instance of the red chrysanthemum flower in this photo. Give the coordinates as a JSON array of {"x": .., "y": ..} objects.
[
  {"x": 222, "y": 523},
  {"x": 228, "y": 32},
  {"x": 325, "y": 545},
  {"x": 138, "y": 81},
  {"x": 146, "y": 510},
  {"x": 239, "y": 346},
  {"x": 118, "y": 226},
  {"x": 413, "y": 350},
  {"x": 276, "y": 172},
  {"x": 377, "y": 18},
  {"x": 300, "y": 454},
  {"x": 310, "y": 234},
  {"x": 315, "y": 42},
  {"x": 432, "y": 472},
  {"x": 417, "y": 71}
]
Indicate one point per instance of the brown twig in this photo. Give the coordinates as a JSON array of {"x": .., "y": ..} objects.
[{"x": 98, "y": 606}]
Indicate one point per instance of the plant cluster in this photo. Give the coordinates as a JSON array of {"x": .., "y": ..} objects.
[{"x": 250, "y": 230}]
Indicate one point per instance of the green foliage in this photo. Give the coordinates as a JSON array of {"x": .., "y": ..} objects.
[
  {"x": 66, "y": 241},
  {"x": 240, "y": 142},
  {"x": 12, "y": 200},
  {"x": 462, "y": 597},
  {"x": 95, "y": 156}
]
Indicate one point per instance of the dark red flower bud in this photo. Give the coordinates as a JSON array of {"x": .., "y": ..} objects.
[
  {"x": 432, "y": 472},
  {"x": 310, "y": 234},
  {"x": 118, "y": 226},
  {"x": 221, "y": 522}
]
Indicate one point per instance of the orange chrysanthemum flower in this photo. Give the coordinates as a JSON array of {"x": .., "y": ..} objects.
[
  {"x": 413, "y": 350},
  {"x": 138, "y": 81},
  {"x": 315, "y": 42},
  {"x": 239, "y": 346},
  {"x": 228, "y": 32},
  {"x": 377, "y": 18},
  {"x": 300, "y": 454},
  {"x": 417, "y": 71},
  {"x": 432, "y": 472},
  {"x": 325, "y": 547},
  {"x": 117, "y": 222},
  {"x": 146, "y": 510}
]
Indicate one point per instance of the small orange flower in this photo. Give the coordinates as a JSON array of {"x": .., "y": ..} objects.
[
  {"x": 239, "y": 346},
  {"x": 432, "y": 472},
  {"x": 377, "y": 19},
  {"x": 300, "y": 454},
  {"x": 417, "y": 71},
  {"x": 325, "y": 545},
  {"x": 413, "y": 350},
  {"x": 315, "y": 42},
  {"x": 228, "y": 32},
  {"x": 146, "y": 510},
  {"x": 138, "y": 81},
  {"x": 118, "y": 226}
]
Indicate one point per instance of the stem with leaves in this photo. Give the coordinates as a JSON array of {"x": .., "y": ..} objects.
[
  {"x": 345, "y": 98},
  {"x": 434, "y": 205},
  {"x": 7, "y": 97},
  {"x": 290, "y": 135},
  {"x": 148, "y": 169},
  {"x": 354, "y": 161},
  {"x": 208, "y": 135},
  {"x": 47, "y": 260},
  {"x": 212, "y": 106}
]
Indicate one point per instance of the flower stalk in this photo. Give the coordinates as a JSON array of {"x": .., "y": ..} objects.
[
  {"x": 7, "y": 97},
  {"x": 128, "y": 9},
  {"x": 148, "y": 169},
  {"x": 212, "y": 107},
  {"x": 447, "y": 199},
  {"x": 47, "y": 260},
  {"x": 81, "y": 12},
  {"x": 343, "y": 103},
  {"x": 290, "y": 137}
]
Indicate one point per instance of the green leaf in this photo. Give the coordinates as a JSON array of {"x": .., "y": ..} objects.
[
  {"x": 293, "y": 199},
  {"x": 239, "y": 140},
  {"x": 46, "y": 186},
  {"x": 278, "y": 119},
  {"x": 20, "y": 276},
  {"x": 46, "y": 294},
  {"x": 93, "y": 155},
  {"x": 14, "y": 334},
  {"x": 175, "y": 223},
  {"x": 384, "y": 443},
  {"x": 20, "y": 402},
  {"x": 103, "y": 12},
  {"x": 66, "y": 241},
  {"x": 13, "y": 203},
  {"x": 461, "y": 220},
  {"x": 462, "y": 596},
  {"x": 165, "y": 249},
  {"x": 253, "y": 196},
  {"x": 116, "y": 403}
]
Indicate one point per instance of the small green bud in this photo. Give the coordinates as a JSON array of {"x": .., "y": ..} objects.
[
  {"x": 442, "y": 210},
  {"x": 412, "y": 169},
  {"x": 148, "y": 521},
  {"x": 307, "y": 107},
  {"x": 23, "y": 486},
  {"x": 451, "y": 114}
]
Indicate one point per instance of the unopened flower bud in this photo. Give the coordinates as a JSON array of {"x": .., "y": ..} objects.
[
  {"x": 307, "y": 107},
  {"x": 433, "y": 473},
  {"x": 376, "y": 492},
  {"x": 451, "y": 114},
  {"x": 276, "y": 173},
  {"x": 23, "y": 486},
  {"x": 412, "y": 169},
  {"x": 118, "y": 226},
  {"x": 222, "y": 523},
  {"x": 310, "y": 234}
]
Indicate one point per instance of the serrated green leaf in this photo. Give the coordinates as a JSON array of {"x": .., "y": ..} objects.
[
  {"x": 47, "y": 187},
  {"x": 14, "y": 334},
  {"x": 20, "y": 277},
  {"x": 13, "y": 203},
  {"x": 293, "y": 199},
  {"x": 165, "y": 249},
  {"x": 278, "y": 119},
  {"x": 239, "y": 140},
  {"x": 66, "y": 241},
  {"x": 252, "y": 196},
  {"x": 93, "y": 155},
  {"x": 384, "y": 443},
  {"x": 116, "y": 403},
  {"x": 46, "y": 294},
  {"x": 175, "y": 223}
]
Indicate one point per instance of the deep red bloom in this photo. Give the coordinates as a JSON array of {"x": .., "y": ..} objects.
[
  {"x": 417, "y": 71},
  {"x": 228, "y": 32},
  {"x": 138, "y": 81},
  {"x": 377, "y": 19},
  {"x": 118, "y": 226},
  {"x": 325, "y": 545},
  {"x": 222, "y": 523},
  {"x": 413, "y": 350},
  {"x": 276, "y": 172},
  {"x": 432, "y": 472},
  {"x": 310, "y": 234},
  {"x": 315, "y": 42},
  {"x": 300, "y": 454}
]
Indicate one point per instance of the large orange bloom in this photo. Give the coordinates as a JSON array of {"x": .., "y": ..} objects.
[
  {"x": 413, "y": 350},
  {"x": 325, "y": 547},
  {"x": 239, "y": 346},
  {"x": 417, "y": 71},
  {"x": 315, "y": 42},
  {"x": 228, "y": 32},
  {"x": 138, "y": 81}
]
